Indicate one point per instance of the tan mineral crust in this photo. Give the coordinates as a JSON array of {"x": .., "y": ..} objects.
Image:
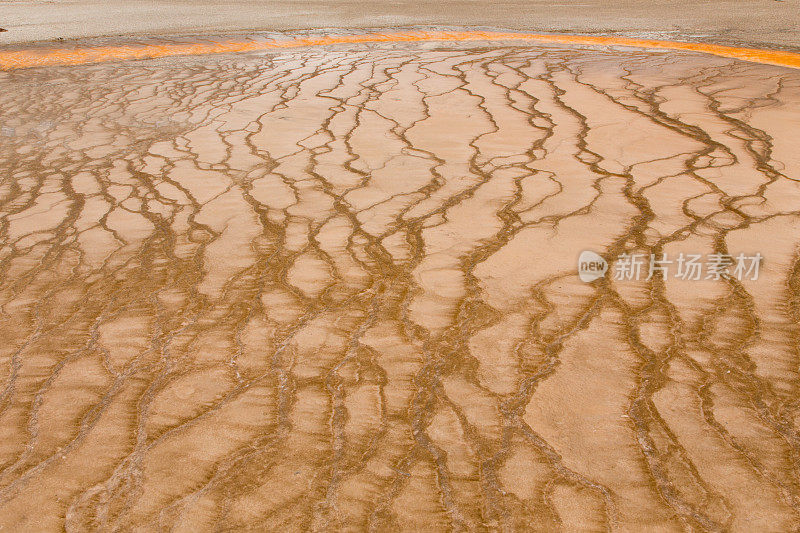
[
  {"x": 769, "y": 22},
  {"x": 337, "y": 289}
]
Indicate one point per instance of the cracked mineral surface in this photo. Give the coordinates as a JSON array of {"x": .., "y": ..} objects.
[{"x": 337, "y": 289}]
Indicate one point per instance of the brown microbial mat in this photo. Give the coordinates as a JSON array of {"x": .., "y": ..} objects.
[{"x": 382, "y": 286}]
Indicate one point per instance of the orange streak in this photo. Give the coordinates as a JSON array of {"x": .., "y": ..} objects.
[{"x": 52, "y": 57}]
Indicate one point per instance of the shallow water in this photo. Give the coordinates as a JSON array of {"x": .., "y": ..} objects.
[{"x": 327, "y": 289}]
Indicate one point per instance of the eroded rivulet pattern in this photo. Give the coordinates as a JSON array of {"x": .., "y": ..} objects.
[{"x": 337, "y": 289}]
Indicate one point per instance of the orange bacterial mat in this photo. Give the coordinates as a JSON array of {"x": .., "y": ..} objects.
[{"x": 17, "y": 59}]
